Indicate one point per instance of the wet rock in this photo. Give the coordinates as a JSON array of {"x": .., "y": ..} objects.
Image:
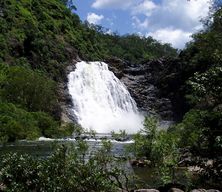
[
  {"x": 185, "y": 161},
  {"x": 70, "y": 68},
  {"x": 146, "y": 190},
  {"x": 140, "y": 162},
  {"x": 142, "y": 82},
  {"x": 2, "y": 187},
  {"x": 117, "y": 66},
  {"x": 175, "y": 190},
  {"x": 65, "y": 102},
  {"x": 198, "y": 190},
  {"x": 122, "y": 139},
  {"x": 65, "y": 99},
  {"x": 135, "y": 71},
  {"x": 133, "y": 163}
]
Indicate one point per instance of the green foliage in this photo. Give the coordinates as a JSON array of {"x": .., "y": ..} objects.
[
  {"x": 206, "y": 89},
  {"x": 145, "y": 138},
  {"x": 119, "y": 136},
  {"x": 204, "y": 57},
  {"x": 134, "y": 48},
  {"x": 49, "y": 36},
  {"x": 29, "y": 89},
  {"x": 165, "y": 149},
  {"x": 47, "y": 125},
  {"x": 202, "y": 124},
  {"x": 191, "y": 128},
  {"x": 150, "y": 127},
  {"x": 200, "y": 130},
  {"x": 68, "y": 130},
  {"x": 16, "y": 123},
  {"x": 3, "y": 73},
  {"x": 159, "y": 146},
  {"x": 165, "y": 154},
  {"x": 36, "y": 30},
  {"x": 64, "y": 170},
  {"x": 198, "y": 86}
]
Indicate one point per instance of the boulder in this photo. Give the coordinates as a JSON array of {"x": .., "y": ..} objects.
[
  {"x": 2, "y": 187},
  {"x": 175, "y": 190},
  {"x": 140, "y": 162},
  {"x": 172, "y": 187},
  {"x": 146, "y": 190}
]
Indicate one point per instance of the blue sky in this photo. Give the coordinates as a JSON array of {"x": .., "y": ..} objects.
[{"x": 169, "y": 21}]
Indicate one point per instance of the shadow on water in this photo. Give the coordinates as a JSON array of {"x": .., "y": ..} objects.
[{"x": 34, "y": 148}]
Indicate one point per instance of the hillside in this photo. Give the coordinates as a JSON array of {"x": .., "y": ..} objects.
[{"x": 38, "y": 39}]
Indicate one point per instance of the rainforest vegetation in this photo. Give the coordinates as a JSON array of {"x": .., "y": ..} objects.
[{"x": 40, "y": 38}]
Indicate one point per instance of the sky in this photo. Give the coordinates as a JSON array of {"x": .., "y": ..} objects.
[{"x": 169, "y": 21}]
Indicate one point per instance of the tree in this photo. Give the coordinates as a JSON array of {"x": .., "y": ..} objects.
[
  {"x": 63, "y": 170},
  {"x": 30, "y": 89}
]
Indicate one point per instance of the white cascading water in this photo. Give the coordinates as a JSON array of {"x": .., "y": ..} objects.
[{"x": 101, "y": 102}]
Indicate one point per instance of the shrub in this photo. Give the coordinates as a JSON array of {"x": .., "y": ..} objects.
[
  {"x": 159, "y": 146},
  {"x": 64, "y": 170},
  {"x": 17, "y": 123},
  {"x": 31, "y": 90}
]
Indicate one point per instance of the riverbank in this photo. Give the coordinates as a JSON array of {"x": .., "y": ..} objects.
[{"x": 143, "y": 176}]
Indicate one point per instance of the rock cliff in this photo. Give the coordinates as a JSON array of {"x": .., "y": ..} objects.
[{"x": 153, "y": 84}]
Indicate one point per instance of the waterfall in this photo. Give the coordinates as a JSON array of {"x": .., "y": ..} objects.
[{"x": 100, "y": 101}]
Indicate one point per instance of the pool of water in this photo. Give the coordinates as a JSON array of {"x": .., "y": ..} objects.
[
  {"x": 42, "y": 148},
  {"x": 45, "y": 147}
]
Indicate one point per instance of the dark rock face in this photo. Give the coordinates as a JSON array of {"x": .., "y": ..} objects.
[
  {"x": 65, "y": 99},
  {"x": 66, "y": 104},
  {"x": 146, "y": 83},
  {"x": 117, "y": 66}
]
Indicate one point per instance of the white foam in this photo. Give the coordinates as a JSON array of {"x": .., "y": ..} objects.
[
  {"x": 45, "y": 139},
  {"x": 101, "y": 102}
]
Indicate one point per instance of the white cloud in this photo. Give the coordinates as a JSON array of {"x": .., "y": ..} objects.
[
  {"x": 173, "y": 21},
  {"x": 138, "y": 24},
  {"x": 180, "y": 14},
  {"x": 179, "y": 18},
  {"x": 94, "y": 18},
  {"x": 112, "y": 4},
  {"x": 145, "y": 7},
  {"x": 176, "y": 37}
]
